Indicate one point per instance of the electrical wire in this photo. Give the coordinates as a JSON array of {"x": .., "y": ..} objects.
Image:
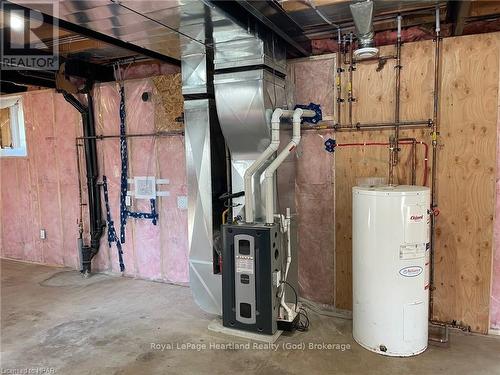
[
  {"x": 294, "y": 292},
  {"x": 302, "y": 325},
  {"x": 323, "y": 312},
  {"x": 320, "y": 13}
]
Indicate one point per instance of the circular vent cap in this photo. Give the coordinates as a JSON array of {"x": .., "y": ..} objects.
[{"x": 365, "y": 53}]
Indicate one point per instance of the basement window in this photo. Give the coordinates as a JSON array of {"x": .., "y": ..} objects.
[{"x": 12, "y": 133}]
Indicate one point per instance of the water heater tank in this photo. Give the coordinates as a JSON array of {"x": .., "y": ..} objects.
[{"x": 390, "y": 256}]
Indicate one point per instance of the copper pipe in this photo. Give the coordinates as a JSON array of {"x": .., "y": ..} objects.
[
  {"x": 350, "y": 97},
  {"x": 392, "y": 145},
  {"x": 169, "y": 133},
  {"x": 435, "y": 134},
  {"x": 403, "y": 141},
  {"x": 397, "y": 93},
  {"x": 413, "y": 156},
  {"x": 363, "y": 126},
  {"x": 378, "y": 58},
  {"x": 414, "y": 162},
  {"x": 344, "y": 50},
  {"x": 339, "y": 78}
]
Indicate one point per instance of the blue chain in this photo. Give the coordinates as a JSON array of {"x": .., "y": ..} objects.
[
  {"x": 124, "y": 213},
  {"x": 112, "y": 237}
]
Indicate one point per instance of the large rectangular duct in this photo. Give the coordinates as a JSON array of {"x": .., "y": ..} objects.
[
  {"x": 244, "y": 68},
  {"x": 205, "y": 156},
  {"x": 237, "y": 47},
  {"x": 245, "y": 102}
]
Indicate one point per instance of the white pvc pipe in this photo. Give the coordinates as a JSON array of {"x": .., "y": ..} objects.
[
  {"x": 268, "y": 152},
  {"x": 269, "y": 172},
  {"x": 399, "y": 25},
  {"x": 288, "y": 262},
  {"x": 438, "y": 20}
]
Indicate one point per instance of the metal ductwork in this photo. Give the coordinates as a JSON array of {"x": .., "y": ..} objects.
[
  {"x": 250, "y": 65},
  {"x": 362, "y": 14},
  {"x": 231, "y": 85}
]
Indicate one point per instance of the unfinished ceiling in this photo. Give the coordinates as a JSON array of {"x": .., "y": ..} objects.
[
  {"x": 72, "y": 44},
  {"x": 161, "y": 26},
  {"x": 458, "y": 16},
  {"x": 104, "y": 31}
]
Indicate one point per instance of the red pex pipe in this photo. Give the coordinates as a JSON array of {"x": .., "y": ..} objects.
[{"x": 426, "y": 147}]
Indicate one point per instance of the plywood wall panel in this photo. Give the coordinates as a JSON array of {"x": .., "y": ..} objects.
[
  {"x": 168, "y": 100},
  {"x": 375, "y": 96},
  {"x": 373, "y": 91},
  {"x": 417, "y": 80},
  {"x": 466, "y": 179},
  {"x": 466, "y": 163},
  {"x": 495, "y": 283}
]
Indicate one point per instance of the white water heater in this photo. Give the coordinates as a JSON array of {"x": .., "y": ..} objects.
[{"x": 390, "y": 256}]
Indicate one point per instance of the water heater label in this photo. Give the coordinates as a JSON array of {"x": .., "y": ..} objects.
[
  {"x": 244, "y": 264},
  {"x": 410, "y": 271},
  {"x": 416, "y": 218}
]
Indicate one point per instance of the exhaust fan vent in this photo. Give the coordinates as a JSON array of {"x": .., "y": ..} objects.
[{"x": 362, "y": 14}]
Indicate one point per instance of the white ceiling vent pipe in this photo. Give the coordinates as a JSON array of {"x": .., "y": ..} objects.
[
  {"x": 362, "y": 14},
  {"x": 268, "y": 152},
  {"x": 269, "y": 172}
]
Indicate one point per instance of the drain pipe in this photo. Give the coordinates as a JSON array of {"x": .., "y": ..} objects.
[
  {"x": 268, "y": 152},
  {"x": 269, "y": 172},
  {"x": 93, "y": 189}
]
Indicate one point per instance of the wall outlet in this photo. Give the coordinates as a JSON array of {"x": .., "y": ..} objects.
[
  {"x": 43, "y": 234},
  {"x": 182, "y": 202}
]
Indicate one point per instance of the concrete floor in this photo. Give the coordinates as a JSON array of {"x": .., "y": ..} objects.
[{"x": 51, "y": 318}]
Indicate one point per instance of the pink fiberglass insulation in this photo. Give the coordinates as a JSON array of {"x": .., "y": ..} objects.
[
  {"x": 314, "y": 199},
  {"x": 148, "y": 69},
  {"x": 42, "y": 188},
  {"x": 152, "y": 252},
  {"x": 38, "y": 191},
  {"x": 143, "y": 162},
  {"x": 313, "y": 81},
  {"x": 173, "y": 222}
]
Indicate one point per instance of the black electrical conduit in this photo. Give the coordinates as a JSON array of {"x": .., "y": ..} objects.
[{"x": 94, "y": 192}]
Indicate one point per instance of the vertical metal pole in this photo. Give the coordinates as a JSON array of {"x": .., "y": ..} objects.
[
  {"x": 350, "y": 98},
  {"x": 397, "y": 92},
  {"x": 392, "y": 145},
  {"x": 414, "y": 162},
  {"x": 339, "y": 77},
  {"x": 435, "y": 134}
]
